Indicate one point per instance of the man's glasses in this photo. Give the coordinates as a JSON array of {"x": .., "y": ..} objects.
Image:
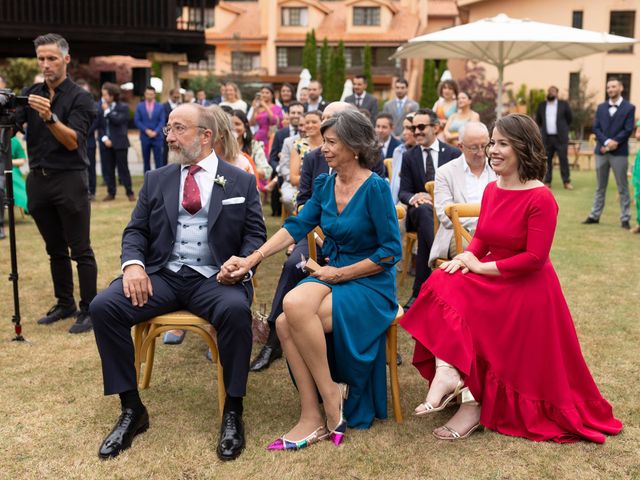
[
  {"x": 178, "y": 129},
  {"x": 421, "y": 126},
  {"x": 476, "y": 148}
]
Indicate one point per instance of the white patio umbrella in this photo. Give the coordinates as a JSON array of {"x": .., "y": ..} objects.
[{"x": 502, "y": 41}]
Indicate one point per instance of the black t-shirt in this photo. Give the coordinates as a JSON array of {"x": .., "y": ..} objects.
[{"x": 76, "y": 109}]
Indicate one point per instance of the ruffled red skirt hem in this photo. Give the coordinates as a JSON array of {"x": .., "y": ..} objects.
[{"x": 562, "y": 416}]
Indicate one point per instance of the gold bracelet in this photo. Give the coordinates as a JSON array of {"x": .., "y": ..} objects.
[{"x": 260, "y": 252}]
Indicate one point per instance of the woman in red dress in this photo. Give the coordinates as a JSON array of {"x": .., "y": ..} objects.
[{"x": 494, "y": 320}]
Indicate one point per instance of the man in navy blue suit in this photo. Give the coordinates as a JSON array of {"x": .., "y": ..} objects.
[
  {"x": 149, "y": 119},
  {"x": 113, "y": 119},
  {"x": 191, "y": 216},
  {"x": 419, "y": 166},
  {"x": 384, "y": 130},
  {"x": 613, "y": 126}
]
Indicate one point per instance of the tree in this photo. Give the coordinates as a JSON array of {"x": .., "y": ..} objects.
[
  {"x": 324, "y": 73},
  {"x": 338, "y": 70},
  {"x": 19, "y": 72},
  {"x": 583, "y": 106},
  {"x": 429, "y": 84},
  {"x": 366, "y": 67},
  {"x": 483, "y": 93},
  {"x": 208, "y": 83},
  {"x": 310, "y": 55}
]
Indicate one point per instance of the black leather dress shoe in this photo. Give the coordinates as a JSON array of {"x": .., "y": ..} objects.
[
  {"x": 626, "y": 225},
  {"x": 83, "y": 323},
  {"x": 266, "y": 356},
  {"x": 590, "y": 221},
  {"x": 128, "y": 426},
  {"x": 231, "y": 441},
  {"x": 407, "y": 305},
  {"x": 57, "y": 313}
]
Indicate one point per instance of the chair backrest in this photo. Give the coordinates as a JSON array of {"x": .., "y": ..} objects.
[
  {"x": 430, "y": 188},
  {"x": 388, "y": 164},
  {"x": 457, "y": 211}
]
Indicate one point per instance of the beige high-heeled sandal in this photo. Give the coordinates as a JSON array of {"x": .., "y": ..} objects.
[
  {"x": 444, "y": 401},
  {"x": 466, "y": 399}
]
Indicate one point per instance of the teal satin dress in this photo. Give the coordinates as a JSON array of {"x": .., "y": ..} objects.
[{"x": 363, "y": 308}]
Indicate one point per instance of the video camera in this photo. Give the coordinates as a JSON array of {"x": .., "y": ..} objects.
[{"x": 10, "y": 101}]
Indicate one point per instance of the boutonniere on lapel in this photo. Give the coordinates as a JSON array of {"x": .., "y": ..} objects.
[{"x": 220, "y": 180}]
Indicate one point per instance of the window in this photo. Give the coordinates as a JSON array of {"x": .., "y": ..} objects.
[
  {"x": 294, "y": 16},
  {"x": 576, "y": 19},
  {"x": 289, "y": 57},
  {"x": 622, "y": 23},
  {"x": 366, "y": 16},
  {"x": 625, "y": 78},
  {"x": 208, "y": 18},
  {"x": 574, "y": 86},
  {"x": 245, "y": 61},
  {"x": 381, "y": 57},
  {"x": 353, "y": 57}
]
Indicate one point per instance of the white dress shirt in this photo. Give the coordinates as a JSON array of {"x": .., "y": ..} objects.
[
  {"x": 475, "y": 185},
  {"x": 551, "y": 117},
  {"x": 613, "y": 109}
]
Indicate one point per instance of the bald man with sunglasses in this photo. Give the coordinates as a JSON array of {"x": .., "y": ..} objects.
[{"x": 419, "y": 166}]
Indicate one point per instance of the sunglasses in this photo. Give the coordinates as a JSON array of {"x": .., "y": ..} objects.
[{"x": 421, "y": 126}]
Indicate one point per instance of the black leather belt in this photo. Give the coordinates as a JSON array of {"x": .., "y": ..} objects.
[{"x": 46, "y": 172}]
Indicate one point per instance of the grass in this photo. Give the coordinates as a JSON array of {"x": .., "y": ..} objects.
[{"x": 54, "y": 415}]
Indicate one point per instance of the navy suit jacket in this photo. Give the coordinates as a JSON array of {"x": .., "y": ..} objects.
[
  {"x": 618, "y": 127},
  {"x": 393, "y": 143},
  {"x": 236, "y": 229},
  {"x": 115, "y": 126},
  {"x": 276, "y": 146},
  {"x": 413, "y": 175},
  {"x": 156, "y": 122},
  {"x": 315, "y": 164}
]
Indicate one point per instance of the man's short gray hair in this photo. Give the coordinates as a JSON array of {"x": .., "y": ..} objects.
[
  {"x": 53, "y": 38},
  {"x": 473, "y": 126}
]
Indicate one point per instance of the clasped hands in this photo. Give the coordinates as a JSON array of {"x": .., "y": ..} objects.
[
  {"x": 421, "y": 198},
  {"x": 611, "y": 145},
  {"x": 237, "y": 267},
  {"x": 465, "y": 262}
]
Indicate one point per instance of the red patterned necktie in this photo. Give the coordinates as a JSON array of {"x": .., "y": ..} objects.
[{"x": 191, "y": 193}]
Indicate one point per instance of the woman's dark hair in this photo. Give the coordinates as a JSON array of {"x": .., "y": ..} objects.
[
  {"x": 524, "y": 137},
  {"x": 466, "y": 93},
  {"x": 247, "y": 138},
  {"x": 317, "y": 113},
  {"x": 270, "y": 88},
  {"x": 356, "y": 131},
  {"x": 291, "y": 89},
  {"x": 449, "y": 83},
  {"x": 113, "y": 90}
]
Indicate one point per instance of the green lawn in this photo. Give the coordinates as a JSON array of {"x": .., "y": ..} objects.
[{"x": 54, "y": 415}]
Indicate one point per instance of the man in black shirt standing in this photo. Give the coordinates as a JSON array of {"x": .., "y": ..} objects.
[{"x": 58, "y": 118}]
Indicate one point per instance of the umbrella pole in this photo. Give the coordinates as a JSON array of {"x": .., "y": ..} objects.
[{"x": 500, "y": 105}]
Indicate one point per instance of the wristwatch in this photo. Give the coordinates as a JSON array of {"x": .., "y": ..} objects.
[{"x": 52, "y": 119}]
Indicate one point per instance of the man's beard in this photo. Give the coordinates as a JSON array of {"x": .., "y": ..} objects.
[{"x": 185, "y": 155}]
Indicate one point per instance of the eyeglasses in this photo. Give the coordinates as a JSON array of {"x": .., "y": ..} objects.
[
  {"x": 421, "y": 126},
  {"x": 179, "y": 129},
  {"x": 476, "y": 148}
]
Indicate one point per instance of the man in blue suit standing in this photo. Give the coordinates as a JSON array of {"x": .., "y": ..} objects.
[
  {"x": 613, "y": 126},
  {"x": 419, "y": 166},
  {"x": 191, "y": 216},
  {"x": 149, "y": 119}
]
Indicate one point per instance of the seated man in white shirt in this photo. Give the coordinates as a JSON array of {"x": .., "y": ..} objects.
[{"x": 462, "y": 180}]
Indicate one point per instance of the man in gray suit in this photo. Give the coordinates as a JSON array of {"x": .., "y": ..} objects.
[
  {"x": 401, "y": 105},
  {"x": 361, "y": 98},
  {"x": 462, "y": 180}
]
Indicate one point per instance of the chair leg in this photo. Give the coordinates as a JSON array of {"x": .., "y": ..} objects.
[
  {"x": 149, "y": 349},
  {"x": 392, "y": 342},
  {"x": 406, "y": 262},
  {"x": 137, "y": 344}
]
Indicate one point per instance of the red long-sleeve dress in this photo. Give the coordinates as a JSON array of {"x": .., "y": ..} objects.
[{"x": 511, "y": 336}]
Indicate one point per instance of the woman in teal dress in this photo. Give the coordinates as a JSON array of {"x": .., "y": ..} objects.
[
  {"x": 353, "y": 297},
  {"x": 18, "y": 158}
]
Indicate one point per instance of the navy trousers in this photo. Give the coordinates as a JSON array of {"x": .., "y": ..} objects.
[
  {"x": 157, "y": 144},
  {"x": 227, "y": 307}
]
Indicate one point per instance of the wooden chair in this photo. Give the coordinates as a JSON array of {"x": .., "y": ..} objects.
[
  {"x": 586, "y": 151},
  {"x": 457, "y": 211},
  {"x": 388, "y": 164},
  {"x": 144, "y": 340},
  {"x": 391, "y": 349},
  {"x": 411, "y": 238}
]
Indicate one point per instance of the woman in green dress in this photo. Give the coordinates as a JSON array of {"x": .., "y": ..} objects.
[
  {"x": 18, "y": 158},
  {"x": 635, "y": 181}
]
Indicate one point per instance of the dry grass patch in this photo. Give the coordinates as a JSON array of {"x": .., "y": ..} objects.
[{"x": 54, "y": 414}]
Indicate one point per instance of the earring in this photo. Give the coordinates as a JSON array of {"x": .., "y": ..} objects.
[{"x": 356, "y": 157}]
